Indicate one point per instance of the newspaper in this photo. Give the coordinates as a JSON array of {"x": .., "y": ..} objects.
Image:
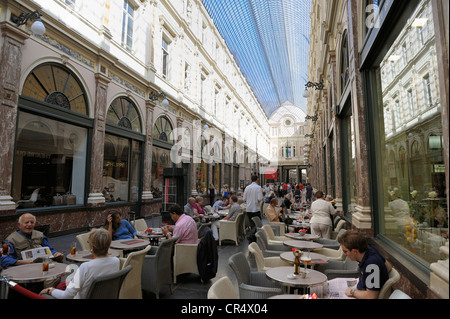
[
  {"x": 337, "y": 287},
  {"x": 32, "y": 254}
]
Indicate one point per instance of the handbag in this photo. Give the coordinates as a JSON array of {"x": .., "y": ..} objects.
[
  {"x": 69, "y": 199},
  {"x": 57, "y": 200}
]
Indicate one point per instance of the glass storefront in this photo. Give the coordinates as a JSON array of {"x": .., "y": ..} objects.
[
  {"x": 50, "y": 162},
  {"x": 50, "y": 154},
  {"x": 412, "y": 189}
]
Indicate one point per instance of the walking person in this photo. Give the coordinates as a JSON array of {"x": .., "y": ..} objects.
[{"x": 253, "y": 196}]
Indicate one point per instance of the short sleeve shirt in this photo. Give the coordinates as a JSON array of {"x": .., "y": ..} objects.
[{"x": 373, "y": 271}]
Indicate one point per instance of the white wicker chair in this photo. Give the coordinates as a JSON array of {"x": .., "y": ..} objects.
[
  {"x": 272, "y": 239},
  {"x": 131, "y": 286},
  {"x": 282, "y": 227},
  {"x": 222, "y": 289},
  {"x": 184, "y": 260},
  {"x": 386, "y": 290},
  {"x": 264, "y": 263},
  {"x": 140, "y": 225},
  {"x": 230, "y": 230}
]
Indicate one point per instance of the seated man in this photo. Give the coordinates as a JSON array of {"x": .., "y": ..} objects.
[
  {"x": 185, "y": 227},
  {"x": 374, "y": 272},
  {"x": 272, "y": 213},
  {"x": 221, "y": 204},
  {"x": 23, "y": 239},
  {"x": 235, "y": 210},
  {"x": 189, "y": 207}
]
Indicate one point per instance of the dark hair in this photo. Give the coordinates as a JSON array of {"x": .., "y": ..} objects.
[
  {"x": 234, "y": 198},
  {"x": 176, "y": 209},
  {"x": 113, "y": 214},
  {"x": 254, "y": 178},
  {"x": 319, "y": 194},
  {"x": 352, "y": 239}
]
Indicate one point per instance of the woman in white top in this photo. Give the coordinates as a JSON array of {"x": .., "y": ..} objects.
[
  {"x": 320, "y": 221},
  {"x": 99, "y": 241}
]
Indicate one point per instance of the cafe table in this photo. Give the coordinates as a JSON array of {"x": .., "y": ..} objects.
[
  {"x": 302, "y": 244},
  {"x": 153, "y": 237},
  {"x": 285, "y": 276},
  {"x": 32, "y": 273},
  {"x": 315, "y": 258},
  {"x": 302, "y": 236},
  {"x": 85, "y": 255},
  {"x": 129, "y": 244}
]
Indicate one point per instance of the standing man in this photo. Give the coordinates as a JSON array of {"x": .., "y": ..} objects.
[{"x": 253, "y": 196}]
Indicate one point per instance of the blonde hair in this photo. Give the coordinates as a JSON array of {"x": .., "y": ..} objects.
[{"x": 99, "y": 239}]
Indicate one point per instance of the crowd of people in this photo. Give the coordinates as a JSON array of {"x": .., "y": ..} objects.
[{"x": 279, "y": 198}]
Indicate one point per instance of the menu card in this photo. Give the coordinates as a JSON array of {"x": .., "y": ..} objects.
[{"x": 32, "y": 254}]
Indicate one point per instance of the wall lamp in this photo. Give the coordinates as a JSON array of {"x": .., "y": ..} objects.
[
  {"x": 312, "y": 118},
  {"x": 37, "y": 27},
  {"x": 317, "y": 85},
  {"x": 156, "y": 96},
  {"x": 310, "y": 135}
]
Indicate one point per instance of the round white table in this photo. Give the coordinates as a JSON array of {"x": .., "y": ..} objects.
[
  {"x": 301, "y": 236},
  {"x": 85, "y": 255},
  {"x": 302, "y": 244},
  {"x": 280, "y": 274},
  {"x": 315, "y": 258},
  {"x": 129, "y": 244},
  {"x": 32, "y": 273}
]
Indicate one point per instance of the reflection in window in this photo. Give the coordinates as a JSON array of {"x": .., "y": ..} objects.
[
  {"x": 49, "y": 163},
  {"x": 412, "y": 190},
  {"x": 162, "y": 130}
]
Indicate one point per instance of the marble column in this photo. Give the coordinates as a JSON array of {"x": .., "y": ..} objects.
[
  {"x": 362, "y": 218},
  {"x": 98, "y": 141},
  {"x": 13, "y": 40},
  {"x": 148, "y": 153}
]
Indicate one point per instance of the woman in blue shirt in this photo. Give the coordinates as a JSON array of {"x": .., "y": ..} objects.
[{"x": 119, "y": 228}]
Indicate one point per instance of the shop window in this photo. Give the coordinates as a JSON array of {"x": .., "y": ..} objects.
[
  {"x": 49, "y": 163},
  {"x": 411, "y": 187},
  {"x": 122, "y": 152}
]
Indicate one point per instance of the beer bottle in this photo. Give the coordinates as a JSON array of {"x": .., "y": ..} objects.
[{"x": 297, "y": 263}]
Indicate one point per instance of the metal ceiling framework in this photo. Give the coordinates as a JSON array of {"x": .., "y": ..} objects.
[{"x": 269, "y": 40}]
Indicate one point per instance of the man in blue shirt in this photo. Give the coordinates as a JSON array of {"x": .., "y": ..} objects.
[
  {"x": 373, "y": 267},
  {"x": 23, "y": 239}
]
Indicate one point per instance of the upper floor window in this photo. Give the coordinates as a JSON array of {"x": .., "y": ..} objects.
[
  {"x": 344, "y": 61},
  {"x": 165, "y": 58},
  {"x": 127, "y": 25}
]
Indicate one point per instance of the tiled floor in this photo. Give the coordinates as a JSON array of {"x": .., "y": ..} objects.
[{"x": 188, "y": 285}]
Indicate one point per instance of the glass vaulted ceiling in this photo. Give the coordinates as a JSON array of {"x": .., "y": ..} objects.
[{"x": 270, "y": 42}]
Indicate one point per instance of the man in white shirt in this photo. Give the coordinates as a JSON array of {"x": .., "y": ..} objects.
[{"x": 253, "y": 197}]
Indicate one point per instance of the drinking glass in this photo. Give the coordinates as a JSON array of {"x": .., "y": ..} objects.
[
  {"x": 45, "y": 265},
  {"x": 305, "y": 259},
  {"x": 5, "y": 248},
  {"x": 73, "y": 248}
]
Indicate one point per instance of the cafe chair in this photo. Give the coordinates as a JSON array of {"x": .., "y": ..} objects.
[
  {"x": 201, "y": 228},
  {"x": 258, "y": 222},
  {"x": 222, "y": 289},
  {"x": 28, "y": 203},
  {"x": 108, "y": 286},
  {"x": 398, "y": 294},
  {"x": 140, "y": 225},
  {"x": 230, "y": 230},
  {"x": 207, "y": 208},
  {"x": 131, "y": 287},
  {"x": 339, "y": 269},
  {"x": 264, "y": 245},
  {"x": 156, "y": 220},
  {"x": 280, "y": 226},
  {"x": 332, "y": 254},
  {"x": 386, "y": 290},
  {"x": 335, "y": 233},
  {"x": 83, "y": 241},
  {"x": 272, "y": 239},
  {"x": 184, "y": 260},
  {"x": 157, "y": 267},
  {"x": 241, "y": 227},
  {"x": 257, "y": 260},
  {"x": 252, "y": 284},
  {"x": 331, "y": 243}
]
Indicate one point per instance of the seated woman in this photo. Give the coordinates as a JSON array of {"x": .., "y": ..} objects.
[
  {"x": 99, "y": 241},
  {"x": 119, "y": 228},
  {"x": 198, "y": 206}
]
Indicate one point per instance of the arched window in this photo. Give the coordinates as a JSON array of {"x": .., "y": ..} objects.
[
  {"x": 56, "y": 85},
  {"x": 162, "y": 130},
  {"x": 123, "y": 112}
]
